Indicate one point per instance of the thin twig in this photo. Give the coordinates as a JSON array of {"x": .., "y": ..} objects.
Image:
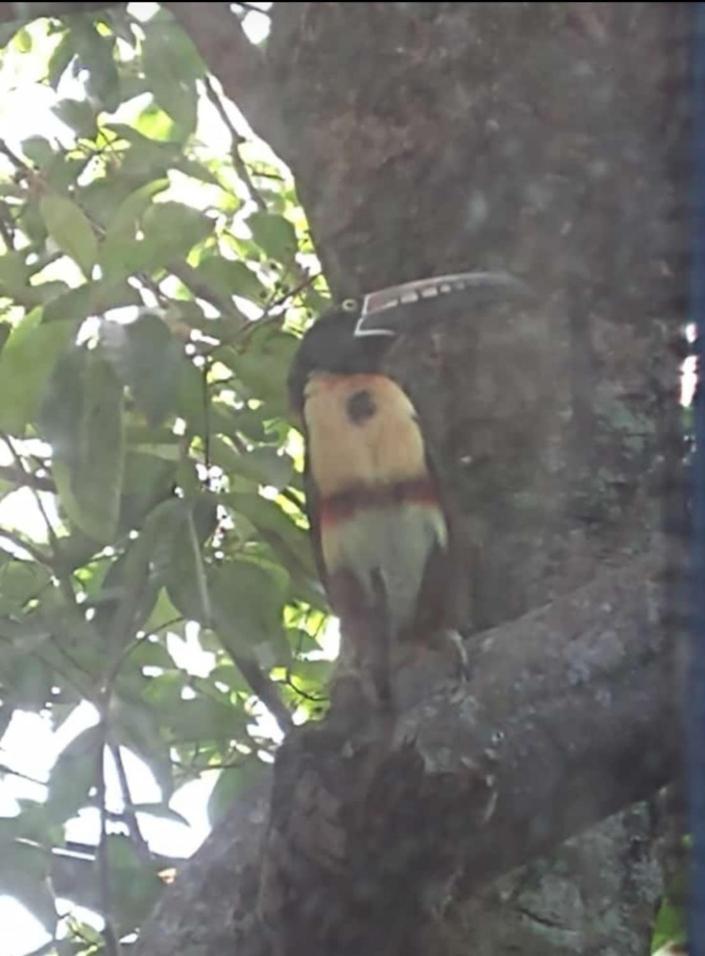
[
  {"x": 206, "y": 414},
  {"x": 39, "y": 556},
  {"x": 202, "y": 289},
  {"x": 130, "y": 815},
  {"x": 167, "y": 624},
  {"x": 292, "y": 497},
  {"x": 152, "y": 286},
  {"x": 267, "y": 317},
  {"x": 218, "y": 765},
  {"x": 266, "y": 174},
  {"x": 84, "y": 690},
  {"x": 238, "y": 140},
  {"x": 23, "y": 776},
  {"x": 13, "y": 157},
  {"x": 314, "y": 698},
  {"x": 27, "y": 478},
  {"x": 6, "y": 227},
  {"x": 27, "y": 473},
  {"x": 303, "y": 284},
  {"x": 112, "y": 945},
  {"x": 64, "y": 579}
]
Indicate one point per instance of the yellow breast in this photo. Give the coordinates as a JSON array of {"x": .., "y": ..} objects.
[{"x": 362, "y": 429}]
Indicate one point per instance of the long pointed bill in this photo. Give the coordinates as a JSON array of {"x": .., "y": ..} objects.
[{"x": 387, "y": 311}]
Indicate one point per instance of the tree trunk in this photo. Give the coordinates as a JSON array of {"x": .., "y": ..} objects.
[{"x": 547, "y": 140}]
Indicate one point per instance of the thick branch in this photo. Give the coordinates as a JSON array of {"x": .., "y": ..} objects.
[{"x": 569, "y": 717}]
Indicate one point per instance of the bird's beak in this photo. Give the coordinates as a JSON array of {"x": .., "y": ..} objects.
[{"x": 389, "y": 311}]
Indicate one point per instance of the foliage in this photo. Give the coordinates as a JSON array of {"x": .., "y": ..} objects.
[
  {"x": 670, "y": 931},
  {"x": 155, "y": 271}
]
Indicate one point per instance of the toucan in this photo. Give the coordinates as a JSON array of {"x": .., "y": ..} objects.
[{"x": 380, "y": 531}]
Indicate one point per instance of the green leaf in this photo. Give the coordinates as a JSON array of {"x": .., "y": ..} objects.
[
  {"x": 179, "y": 529},
  {"x": 19, "y": 582},
  {"x": 82, "y": 418},
  {"x": 60, "y": 59},
  {"x": 93, "y": 298},
  {"x": 670, "y": 927},
  {"x": 26, "y": 364},
  {"x": 24, "y": 874},
  {"x": 79, "y": 115},
  {"x": 73, "y": 775},
  {"x": 275, "y": 235},
  {"x": 265, "y": 466},
  {"x": 71, "y": 231},
  {"x": 138, "y": 726},
  {"x": 268, "y": 467},
  {"x": 248, "y": 602},
  {"x": 290, "y": 544},
  {"x": 31, "y": 681},
  {"x": 232, "y": 278},
  {"x": 148, "y": 479},
  {"x": 157, "y": 124},
  {"x": 192, "y": 399},
  {"x": 202, "y": 719},
  {"x": 162, "y": 614},
  {"x": 170, "y": 231},
  {"x": 264, "y": 365},
  {"x": 23, "y": 40},
  {"x": 151, "y": 653},
  {"x": 178, "y": 227},
  {"x": 127, "y": 596},
  {"x": 97, "y": 482},
  {"x": 191, "y": 167},
  {"x": 135, "y": 887},
  {"x": 133, "y": 206},
  {"x": 231, "y": 784},
  {"x": 148, "y": 360},
  {"x": 14, "y": 275},
  {"x": 172, "y": 66},
  {"x": 95, "y": 53},
  {"x": 38, "y": 150}
]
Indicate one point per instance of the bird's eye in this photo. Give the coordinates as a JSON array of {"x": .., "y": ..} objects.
[{"x": 349, "y": 305}]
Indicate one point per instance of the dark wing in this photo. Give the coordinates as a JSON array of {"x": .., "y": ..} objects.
[
  {"x": 313, "y": 515},
  {"x": 437, "y": 607}
]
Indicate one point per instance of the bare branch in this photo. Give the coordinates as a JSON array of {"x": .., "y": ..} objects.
[
  {"x": 242, "y": 170},
  {"x": 130, "y": 815},
  {"x": 26, "y": 478},
  {"x": 39, "y": 556},
  {"x": 112, "y": 944}
]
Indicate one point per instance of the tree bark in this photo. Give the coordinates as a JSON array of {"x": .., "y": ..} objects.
[
  {"x": 360, "y": 844},
  {"x": 548, "y": 140},
  {"x": 533, "y": 138}
]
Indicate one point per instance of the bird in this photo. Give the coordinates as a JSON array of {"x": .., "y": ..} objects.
[{"x": 379, "y": 522}]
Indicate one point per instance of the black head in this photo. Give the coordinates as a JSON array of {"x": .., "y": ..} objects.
[
  {"x": 356, "y": 336},
  {"x": 332, "y": 345}
]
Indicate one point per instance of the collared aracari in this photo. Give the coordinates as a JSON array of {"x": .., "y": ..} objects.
[{"x": 380, "y": 531}]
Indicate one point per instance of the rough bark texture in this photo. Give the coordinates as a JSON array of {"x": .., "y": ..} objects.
[
  {"x": 367, "y": 842},
  {"x": 545, "y": 139}
]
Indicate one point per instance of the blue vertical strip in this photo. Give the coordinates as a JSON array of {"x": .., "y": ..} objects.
[{"x": 696, "y": 689}]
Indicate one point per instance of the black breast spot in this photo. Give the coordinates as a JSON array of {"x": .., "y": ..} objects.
[{"x": 360, "y": 407}]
